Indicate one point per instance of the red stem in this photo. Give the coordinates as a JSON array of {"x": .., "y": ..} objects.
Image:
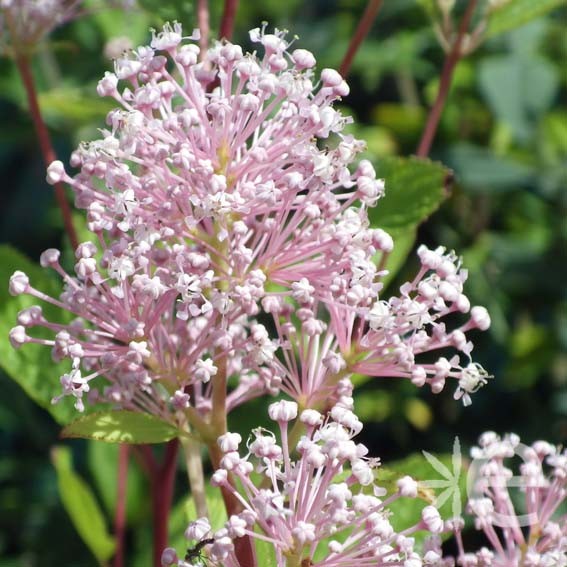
[
  {"x": 162, "y": 485},
  {"x": 361, "y": 32},
  {"x": 449, "y": 65},
  {"x": 120, "y": 512},
  {"x": 228, "y": 16},
  {"x": 23, "y": 64}
]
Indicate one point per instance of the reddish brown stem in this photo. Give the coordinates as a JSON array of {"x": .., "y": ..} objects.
[
  {"x": 228, "y": 17},
  {"x": 120, "y": 512},
  {"x": 451, "y": 60},
  {"x": 361, "y": 32},
  {"x": 243, "y": 546},
  {"x": 24, "y": 68},
  {"x": 162, "y": 485}
]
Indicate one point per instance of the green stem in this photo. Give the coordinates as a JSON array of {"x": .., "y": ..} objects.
[{"x": 196, "y": 476}]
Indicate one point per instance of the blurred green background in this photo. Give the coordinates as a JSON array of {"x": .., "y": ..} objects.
[{"x": 503, "y": 133}]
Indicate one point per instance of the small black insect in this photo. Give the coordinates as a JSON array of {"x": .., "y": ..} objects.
[{"x": 194, "y": 553}]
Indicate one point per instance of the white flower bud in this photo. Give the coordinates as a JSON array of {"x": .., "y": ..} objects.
[
  {"x": 407, "y": 486},
  {"x": 198, "y": 529},
  {"x": 282, "y": 411},
  {"x": 480, "y": 318},
  {"x": 55, "y": 172},
  {"x": 229, "y": 442},
  {"x": 432, "y": 519},
  {"x": 311, "y": 417}
]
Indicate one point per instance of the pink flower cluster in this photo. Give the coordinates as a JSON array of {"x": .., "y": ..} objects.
[
  {"x": 321, "y": 508},
  {"x": 531, "y": 532},
  {"x": 213, "y": 202}
]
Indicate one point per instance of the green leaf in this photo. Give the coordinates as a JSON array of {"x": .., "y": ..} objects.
[
  {"x": 481, "y": 171},
  {"x": 215, "y": 504},
  {"x": 121, "y": 426},
  {"x": 516, "y": 13},
  {"x": 403, "y": 243},
  {"x": 414, "y": 190},
  {"x": 82, "y": 507},
  {"x": 31, "y": 366},
  {"x": 518, "y": 88},
  {"x": 70, "y": 104}
]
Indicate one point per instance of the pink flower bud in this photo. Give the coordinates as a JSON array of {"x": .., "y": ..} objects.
[
  {"x": 19, "y": 283},
  {"x": 219, "y": 478},
  {"x": 18, "y": 336},
  {"x": 169, "y": 556},
  {"x": 49, "y": 257},
  {"x": 30, "y": 316},
  {"x": 303, "y": 59},
  {"x": 331, "y": 78},
  {"x": 198, "y": 529}
]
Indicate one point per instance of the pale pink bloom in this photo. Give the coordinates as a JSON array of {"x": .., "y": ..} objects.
[{"x": 325, "y": 500}]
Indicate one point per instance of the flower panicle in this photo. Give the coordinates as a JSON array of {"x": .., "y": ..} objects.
[
  {"x": 322, "y": 507},
  {"x": 211, "y": 203}
]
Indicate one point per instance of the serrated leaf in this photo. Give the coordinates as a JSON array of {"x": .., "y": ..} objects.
[
  {"x": 82, "y": 507},
  {"x": 121, "y": 426},
  {"x": 414, "y": 189},
  {"x": 515, "y": 13},
  {"x": 31, "y": 366}
]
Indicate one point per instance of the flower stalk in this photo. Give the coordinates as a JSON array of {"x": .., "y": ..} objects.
[
  {"x": 451, "y": 60},
  {"x": 364, "y": 25},
  {"x": 48, "y": 153}
]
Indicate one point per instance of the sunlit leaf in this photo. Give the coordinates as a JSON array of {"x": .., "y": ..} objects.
[
  {"x": 121, "y": 426},
  {"x": 414, "y": 190},
  {"x": 511, "y": 14},
  {"x": 31, "y": 366}
]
